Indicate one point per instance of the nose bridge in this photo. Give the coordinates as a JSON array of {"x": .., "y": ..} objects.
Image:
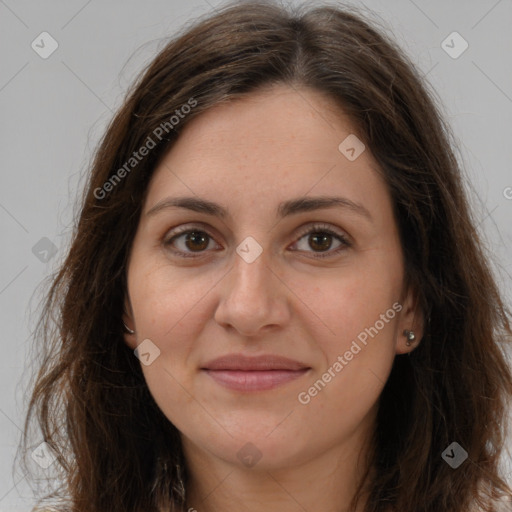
[
  {"x": 250, "y": 296},
  {"x": 252, "y": 274}
]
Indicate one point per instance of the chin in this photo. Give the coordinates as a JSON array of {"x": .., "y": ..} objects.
[{"x": 265, "y": 449}]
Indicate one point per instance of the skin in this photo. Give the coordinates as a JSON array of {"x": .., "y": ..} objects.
[{"x": 276, "y": 144}]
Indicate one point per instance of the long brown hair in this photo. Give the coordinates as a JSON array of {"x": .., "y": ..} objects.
[{"x": 115, "y": 449}]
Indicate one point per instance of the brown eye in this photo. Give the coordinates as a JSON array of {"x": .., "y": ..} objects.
[
  {"x": 189, "y": 242},
  {"x": 196, "y": 240},
  {"x": 320, "y": 242},
  {"x": 320, "y": 239}
]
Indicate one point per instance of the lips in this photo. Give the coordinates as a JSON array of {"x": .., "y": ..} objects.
[
  {"x": 243, "y": 373},
  {"x": 255, "y": 363}
]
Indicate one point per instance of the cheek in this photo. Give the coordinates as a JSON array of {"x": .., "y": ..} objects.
[
  {"x": 167, "y": 309},
  {"x": 363, "y": 312},
  {"x": 357, "y": 361},
  {"x": 354, "y": 301},
  {"x": 357, "y": 336},
  {"x": 167, "y": 300},
  {"x": 358, "y": 348}
]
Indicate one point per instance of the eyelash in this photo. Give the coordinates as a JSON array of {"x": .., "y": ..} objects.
[{"x": 314, "y": 229}]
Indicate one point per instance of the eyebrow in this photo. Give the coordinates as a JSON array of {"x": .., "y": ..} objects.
[{"x": 284, "y": 209}]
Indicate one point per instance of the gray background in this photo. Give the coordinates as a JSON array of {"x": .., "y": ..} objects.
[{"x": 54, "y": 111}]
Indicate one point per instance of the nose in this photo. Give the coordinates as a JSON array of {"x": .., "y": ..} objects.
[{"x": 253, "y": 297}]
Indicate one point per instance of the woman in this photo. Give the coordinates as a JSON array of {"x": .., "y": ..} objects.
[{"x": 276, "y": 297}]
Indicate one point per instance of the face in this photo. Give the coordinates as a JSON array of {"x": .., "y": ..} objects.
[{"x": 320, "y": 286}]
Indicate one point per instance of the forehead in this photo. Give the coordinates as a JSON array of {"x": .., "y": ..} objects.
[
  {"x": 271, "y": 116},
  {"x": 276, "y": 143}
]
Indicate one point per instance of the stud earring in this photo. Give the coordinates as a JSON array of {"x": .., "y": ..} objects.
[
  {"x": 128, "y": 330},
  {"x": 410, "y": 337}
]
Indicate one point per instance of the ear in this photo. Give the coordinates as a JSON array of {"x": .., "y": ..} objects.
[
  {"x": 412, "y": 318},
  {"x": 127, "y": 318}
]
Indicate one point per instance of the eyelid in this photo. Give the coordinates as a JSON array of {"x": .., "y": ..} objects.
[
  {"x": 309, "y": 228},
  {"x": 321, "y": 227}
]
